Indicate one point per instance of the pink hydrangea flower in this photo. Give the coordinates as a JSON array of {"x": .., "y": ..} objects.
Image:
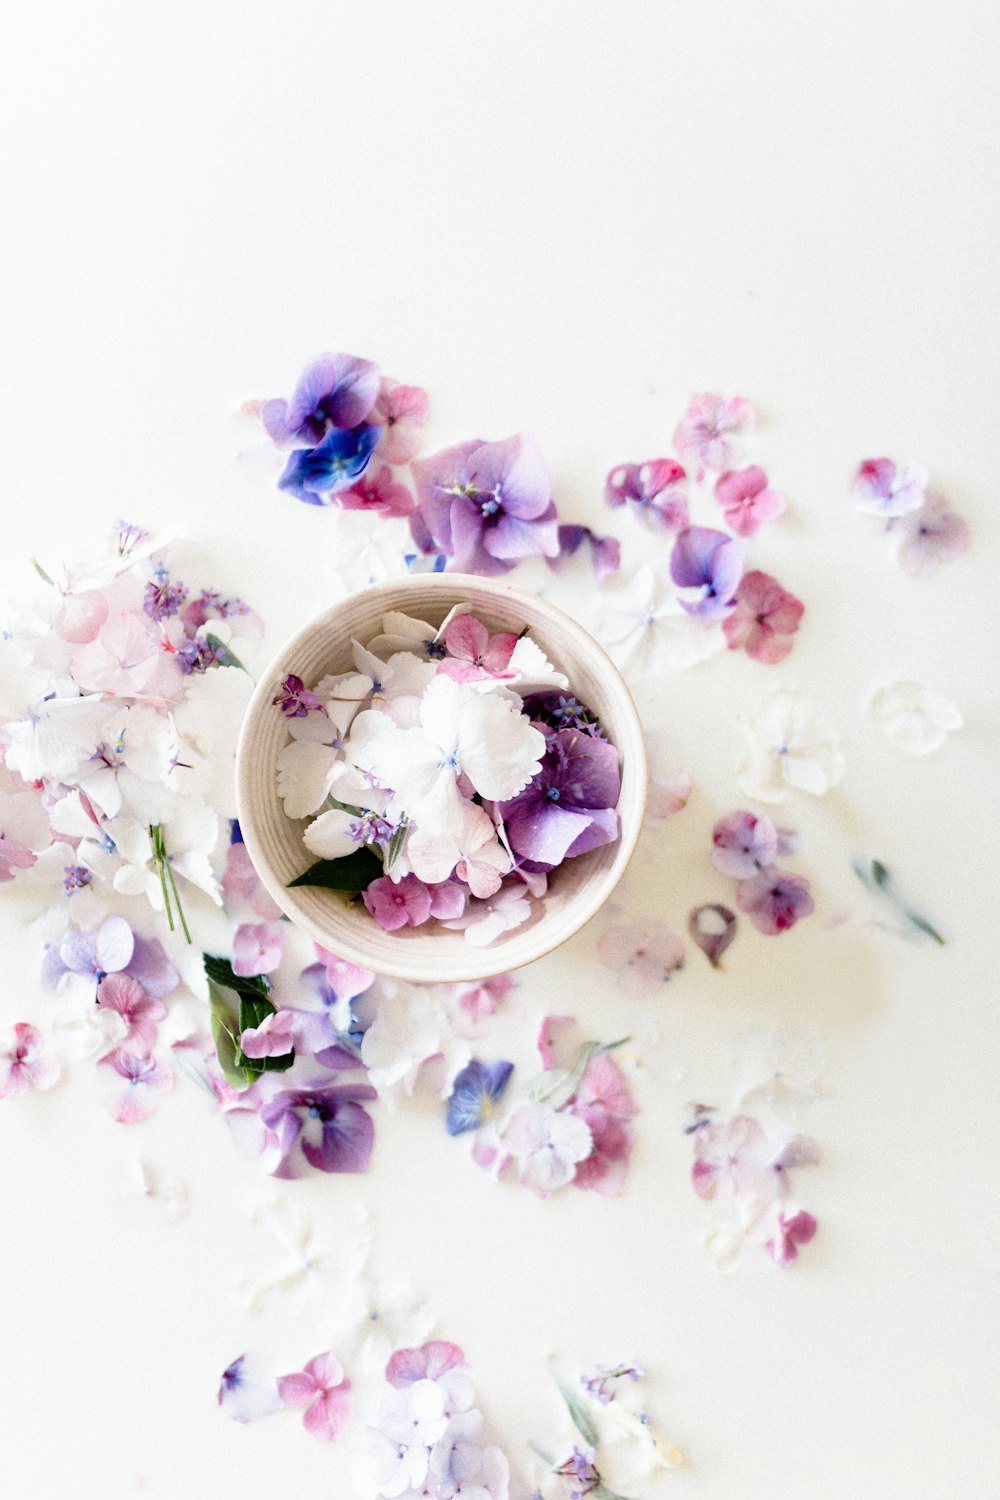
[
  {"x": 644, "y": 955},
  {"x": 346, "y": 979},
  {"x": 257, "y": 948},
  {"x": 429, "y": 1362},
  {"x": 744, "y": 843},
  {"x": 79, "y": 616},
  {"x": 274, "y": 1037},
  {"x": 884, "y": 490},
  {"x": 789, "y": 1235},
  {"x": 931, "y": 537},
  {"x": 746, "y": 500},
  {"x": 128, "y": 659},
  {"x": 139, "y": 1011},
  {"x": 473, "y": 654},
  {"x": 398, "y": 903},
  {"x": 243, "y": 887},
  {"x": 765, "y": 619},
  {"x": 775, "y": 900},
  {"x": 486, "y": 998},
  {"x": 26, "y": 1063},
  {"x": 605, "y": 1105},
  {"x": 132, "y": 1083},
  {"x": 712, "y": 430},
  {"x": 656, "y": 490},
  {"x": 326, "y": 1389},
  {"x": 378, "y": 494},
  {"x": 735, "y": 1156},
  {"x": 400, "y": 410}
]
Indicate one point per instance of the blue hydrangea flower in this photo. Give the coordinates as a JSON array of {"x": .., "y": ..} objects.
[
  {"x": 334, "y": 464},
  {"x": 477, "y": 1089}
]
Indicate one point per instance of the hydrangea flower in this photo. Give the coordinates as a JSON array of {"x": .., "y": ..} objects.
[
  {"x": 25, "y": 1063},
  {"x": 606, "y": 1107},
  {"x": 788, "y": 745},
  {"x": 774, "y": 900},
  {"x": 257, "y": 947},
  {"x": 312, "y": 474},
  {"x": 379, "y": 494},
  {"x": 324, "y": 1390},
  {"x": 765, "y": 619},
  {"x": 789, "y": 1234},
  {"x": 133, "y": 1081},
  {"x": 931, "y": 537},
  {"x": 294, "y": 699},
  {"x": 337, "y": 391},
  {"x": 746, "y": 500},
  {"x": 483, "y": 921},
  {"x": 324, "y": 1125},
  {"x": 711, "y": 562},
  {"x": 605, "y": 551},
  {"x": 485, "y": 999},
  {"x": 883, "y": 490},
  {"x": 398, "y": 903},
  {"x": 569, "y": 806},
  {"x": 113, "y": 948},
  {"x": 475, "y": 1093},
  {"x": 547, "y": 1144},
  {"x": 487, "y": 504},
  {"x": 914, "y": 717},
  {"x": 656, "y": 491},
  {"x": 744, "y": 843},
  {"x": 735, "y": 1156},
  {"x": 648, "y": 631},
  {"x": 644, "y": 955},
  {"x": 139, "y": 1011},
  {"x": 712, "y": 430},
  {"x": 248, "y": 1389},
  {"x": 400, "y": 410},
  {"x": 473, "y": 654}
]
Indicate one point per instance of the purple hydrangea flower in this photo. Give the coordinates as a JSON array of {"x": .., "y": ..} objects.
[
  {"x": 334, "y": 464},
  {"x": 657, "y": 490},
  {"x": 774, "y": 900},
  {"x": 485, "y": 505},
  {"x": 569, "y": 806},
  {"x": 325, "y": 1125},
  {"x": 711, "y": 561},
  {"x": 338, "y": 390},
  {"x": 744, "y": 844},
  {"x": 162, "y": 599},
  {"x": 476, "y": 1090},
  {"x": 113, "y": 948}
]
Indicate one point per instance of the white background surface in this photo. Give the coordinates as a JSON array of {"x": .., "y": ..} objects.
[{"x": 562, "y": 218}]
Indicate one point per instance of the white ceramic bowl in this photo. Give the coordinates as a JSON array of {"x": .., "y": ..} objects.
[{"x": 578, "y": 888}]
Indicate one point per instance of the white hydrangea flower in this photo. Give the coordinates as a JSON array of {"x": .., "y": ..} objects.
[
  {"x": 788, "y": 745},
  {"x": 917, "y": 719}
]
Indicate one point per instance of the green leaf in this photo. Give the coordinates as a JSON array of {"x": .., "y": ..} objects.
[
  {"x": 238, "y": 1002},
  {"x": 396, "y": 844},
  {"x": 547, "y": 1458},
  {"x": 922, "y": 925},
  {"x": 347, "y": 807},
  {"x": 227, "y": 658},
  {"x": 876, "y": 878},
  {"x": 579, "y": 1415},
  {"x": 558, "y": 1085},
  {"x": 41, "y": 571},
  {"x": 354, "y": 873}
]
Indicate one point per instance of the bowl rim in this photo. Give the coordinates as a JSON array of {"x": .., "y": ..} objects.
[{"x": 481, "y": 965}]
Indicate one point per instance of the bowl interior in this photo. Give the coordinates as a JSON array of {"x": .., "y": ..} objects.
[{"x": 432, "y": 953}]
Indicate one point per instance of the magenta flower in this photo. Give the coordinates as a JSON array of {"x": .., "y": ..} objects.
[
  {"x": 326, "y": 1126},
  {"x": 644, "y": 956},
  {"x": 473, "y": 654},
  {"x": 712, "y": 562},
  {"x": 378, "y": 494},
  {"x": 327, "y": 1390},
  {"x": 746, "y": 500},
  {"x": 139, "y": 1011},
  {"x": 568, "y": 808},
  {"x": 765, "y": 619},
  {"x": 294, "y": 698},
  {"x": 257, "y": 948},
  {"x": 884, "y": 490},
  {"x": 605, "y": 551},
  {"x": 931, "y": 537},
  {"x": 486, "y": 505},
  {"x": 774, "y": 900},
  {"x": 336, "y": 391},
  {"x": 26, "y": 1063},
  {"x": 712, "y": 429},
  {"x": 655, "y": 489},
  {"x": 277, "y": 1034},
  {"x": 398, "y": 903},
  {"x": 744, "y": 844},
  {"x": 132, "y": 1083},
  {"x": 789, "y": 1235},
  {"x": 399, "y": 411}
]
